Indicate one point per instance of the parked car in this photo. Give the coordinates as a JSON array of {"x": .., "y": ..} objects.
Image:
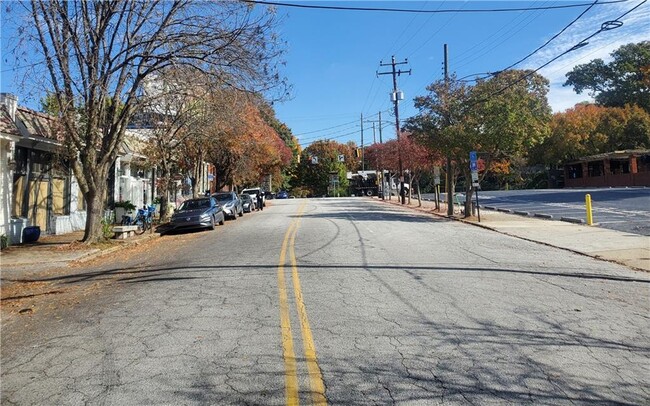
[
  {"x": 231, "y": 203},
  {"x": 202, "y": 212},
  {"x": 248, "y": 204},
  {"x": 255, "y": 192},
  {"x": 283, "y": 194}
]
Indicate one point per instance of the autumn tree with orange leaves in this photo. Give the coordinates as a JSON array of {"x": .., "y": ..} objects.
[
  {"x": 416, "y": 159},
  {"x": 588, "y": 129},
  {"x": 247, "y": 149}
]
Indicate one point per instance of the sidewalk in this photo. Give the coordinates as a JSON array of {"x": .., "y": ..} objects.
[
  {"x": 628, "y": 249},
  {"x": 28, "y": 261}
]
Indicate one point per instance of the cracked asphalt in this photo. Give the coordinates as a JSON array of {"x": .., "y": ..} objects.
[{"x": 403, "y": 309}]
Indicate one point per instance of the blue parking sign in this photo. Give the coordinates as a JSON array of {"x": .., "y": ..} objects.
[{"x": 473, "y": 166}]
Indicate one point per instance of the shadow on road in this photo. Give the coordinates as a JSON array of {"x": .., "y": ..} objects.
[{"x": 169, "y": 271}]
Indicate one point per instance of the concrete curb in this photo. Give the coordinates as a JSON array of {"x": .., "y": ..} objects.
[{"x": 572, "y": 220}]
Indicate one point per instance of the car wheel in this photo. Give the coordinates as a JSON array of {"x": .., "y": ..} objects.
[
  {"x": 212, "y": 223},
  {"x": 241, "y": 213},
  {"x": 221, "y": 222}
]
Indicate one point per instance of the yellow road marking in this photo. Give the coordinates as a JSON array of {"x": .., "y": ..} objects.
[
  {"x": 290, "y": 371},
  {"x": 315, "y": 376}
]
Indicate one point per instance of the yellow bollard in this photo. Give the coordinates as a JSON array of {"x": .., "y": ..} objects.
[{"x": 590, "y": 217}]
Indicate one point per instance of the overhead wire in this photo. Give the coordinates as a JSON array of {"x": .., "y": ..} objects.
[
  {"x": 443, "y": 26},
  {"x": 554, "y": 36},
  {"x": 509, "y": 33},
  {"x": 402, "y": 10},
  {"x": 606, "y": 26}
]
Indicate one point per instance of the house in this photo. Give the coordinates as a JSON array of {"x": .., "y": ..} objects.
[
  {"x": 43, "y": 190},
  {"x": 618, "y": 168},
  {"x": 133, "y": 179},
  {"x": 9, "y": 135}
]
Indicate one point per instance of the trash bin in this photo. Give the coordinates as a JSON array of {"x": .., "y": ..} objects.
[
  {"x": 17, "y": 225},
  {"x": 31, "y": 234}
]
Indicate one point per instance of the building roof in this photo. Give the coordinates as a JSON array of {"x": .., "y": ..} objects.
[
  {"x": 612, "y": 155},
  {"x": 7, "y": 125},
  {"x": 37, "y": 124}
]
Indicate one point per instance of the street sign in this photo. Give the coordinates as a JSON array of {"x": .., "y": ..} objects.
[
  {"x": 473, "y": 162},
  {"x": 473, "y": 166},
  {"x": 341, "y": 158}
]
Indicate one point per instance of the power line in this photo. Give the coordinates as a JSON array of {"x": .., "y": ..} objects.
[
  {"x": 606, "y": 26},
  {"x": 343, "y": 135},
  {"x": 438, "y": 11},
  {"x": 348, "y": 125},
  {"x": 325, "y": 129},
  {"x": 554, "y": 36},
  {"x": 508, "y": 33}
]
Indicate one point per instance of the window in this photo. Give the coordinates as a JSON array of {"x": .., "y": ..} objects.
[
  {"x": 617, "y": 167},
  {"x": 595, "y": 169},
  {"x": 575, "y": 171}
]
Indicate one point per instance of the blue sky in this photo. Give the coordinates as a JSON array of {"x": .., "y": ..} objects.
[{"x": 333, "y": 56}]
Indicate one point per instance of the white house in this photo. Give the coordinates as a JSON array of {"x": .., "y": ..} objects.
[{"x": 9, "y": 135}]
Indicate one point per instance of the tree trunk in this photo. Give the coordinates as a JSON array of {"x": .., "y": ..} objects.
[
  {"x": 469, "y": 191},
  {"x": 417, "y": 183},
  {"x": 451, "y": 187},
  {"x": 164, "y": 193},
  {"x": 410, "y": 187},
  {"x": 94, "y": 214}
]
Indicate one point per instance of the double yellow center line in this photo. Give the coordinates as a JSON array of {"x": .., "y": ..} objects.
[{"x": 290, "y": 366}]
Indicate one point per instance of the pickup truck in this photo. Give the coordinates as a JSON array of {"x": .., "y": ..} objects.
[{"x": 254, "y": 192}]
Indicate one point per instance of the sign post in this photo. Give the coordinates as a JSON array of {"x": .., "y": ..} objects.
[
  {"x": 473, "y": 166},
  {"x": 436, "y": 183}
]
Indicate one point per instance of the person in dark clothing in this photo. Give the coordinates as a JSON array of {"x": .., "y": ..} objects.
[{"x": 260, "y": 205}]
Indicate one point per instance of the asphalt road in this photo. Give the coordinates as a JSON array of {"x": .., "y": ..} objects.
[
  {"x": 622, "y": 209},
  {"x": 343, "y": 301}
]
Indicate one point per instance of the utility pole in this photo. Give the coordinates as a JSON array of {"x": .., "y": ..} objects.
[
  {"x": 383, "y": 181},
  {"x": 396, "y": 97},
  {"x": 363, "y": 166},
  {"x": 448, "y": 178}
]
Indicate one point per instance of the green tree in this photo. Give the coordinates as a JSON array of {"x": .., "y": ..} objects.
[
  {"x": 317, "y": 162},
  {"x": 624, "y": 80},
  {"x": 500, "y": 118}
]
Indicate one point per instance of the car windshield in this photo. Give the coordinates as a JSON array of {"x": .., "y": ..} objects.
[
  {"x": 195, "y": 204},
  {"x": 223, "y": 196},
  {"x": 246, "y": 197}
]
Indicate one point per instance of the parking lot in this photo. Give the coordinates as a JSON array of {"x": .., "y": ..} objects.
[{"x": 622, "y": 209}]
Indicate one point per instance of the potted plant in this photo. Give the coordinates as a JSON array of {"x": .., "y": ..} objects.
[{"x": 121, "y": 208}]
